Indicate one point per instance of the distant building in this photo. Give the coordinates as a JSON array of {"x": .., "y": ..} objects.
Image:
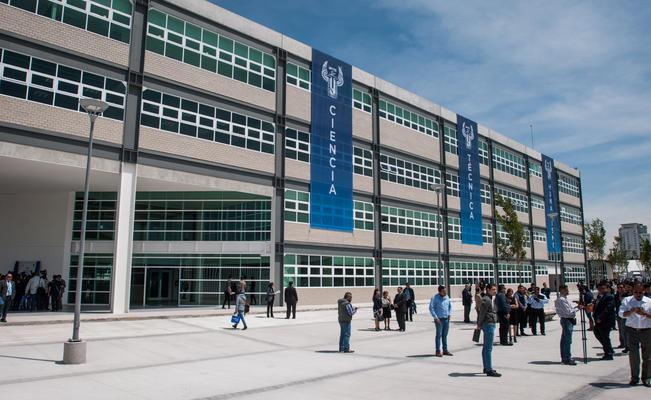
[{"x": 632, "y": 236}]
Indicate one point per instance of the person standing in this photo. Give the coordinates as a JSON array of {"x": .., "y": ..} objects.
[
  {"x": 537, "y": 303},
  {"x": 240, "y": 305},
  {"x": 466, "y": 300},
  {"x": 345, "y": 317},
  {"x": 587, "y": 299},
  {"x": 271, "y": 297},
  {"x": 253, "y": 296},
  {"x": 228, "y": 293},
  {"x": 410, "y": 298},
  {"x": 386, "y": 310},
  {"x": 503, "y": 310},
  {"x": 636, "y": 310},
  {"x": 513, "y": 315},
  {"x": 521, "y": 297},
  {"x": 478, "y": 296},
  {"x": 604, "y": 319},
  {"x": 567, "y": 314},
  {"x": 486, "y": 322},
  {"x": 440, "y": 307},
  {"x": 7, "y": 294},
  {"x": 621, "y": 294},
  {"x": 546, "y": 290},
  {"x": 377, "y": 308},
  {"x": 400, "y": 305},
  {"x": 291, "y": 298}
]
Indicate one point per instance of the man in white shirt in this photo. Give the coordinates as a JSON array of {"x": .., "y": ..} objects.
[
  {"x": 31, "y": 290},
  {"x": 637, "y": 311},
  {"x": 567, "y": 313}
]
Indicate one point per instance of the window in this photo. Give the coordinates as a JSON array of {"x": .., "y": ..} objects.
[
  {"x": 535, "y": 168},
  {"x": 462, "y": 272},
  {"x": 452, "y": 184},
  {"x": 572, "y": 244},
  {"x": 297, "y": 145},
  {"x": 418, "y": 272},
  {"x": 539, "y": 236},
  {"x": 574, "y": 273},
  {"x": 100, "y": 219},
  {"x": 201, "y": 48},
  {"x": 451, "y": 143},
  {"x": 363, "y": 161},
  {"x": 362, "y": 100},
  {"x": 201, "y": 216},
  {"x": 45, "y": 82},
  {"x": 363, "y": 215},
  {"x": 297, "y": 206},
  {"x": 188, "y": 117},
  {"x": 508, "y": 162},
  {"x": 537, "y": 202},
  {"x": 310, "y": 270},
  {"x": 408, "y": 173},
  {"x": 518, "y": 199},
  {"x": 298, "y": 76},
  {"x": 487, "y": 232},
  {"x": 570, "y": 215},
  {"x": 512, "y": 274},
  {"x": 96, "y": 281},
  {"x": 409, "y": 222},
  {"x": 568, "y": 185},
  {"x": 454, "y": 228},
  {"x": 542, "y": 270},
  {"x": 485, "y": 191},
  {"x": 110, "y": 18},
  {"x": 482, "y": 147},
  {"x": 409, "y": 119}
]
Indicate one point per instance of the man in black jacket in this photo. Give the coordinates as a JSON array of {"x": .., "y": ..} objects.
[
  {"x": 604, "y": 317},
  {"x": 291, "y": 298},
  {"x": 410, "y": 298},
  {"x": 503, "y": 310},
  {"x": 466, "y": 298},
  {"x": 400, "y": 305}
]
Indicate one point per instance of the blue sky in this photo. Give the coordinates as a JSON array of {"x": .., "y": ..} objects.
[{"x": 580, "y": 71}]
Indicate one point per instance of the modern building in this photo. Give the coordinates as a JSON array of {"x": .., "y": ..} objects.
[
  {"x": 632, "y": 236},
  {"x": 201, "y": 170}
]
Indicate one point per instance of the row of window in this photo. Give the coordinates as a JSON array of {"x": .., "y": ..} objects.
[
  {"x": 96, "y": 278},
  {"x": 299, "y": 76},
  {"x": 452, "y": 187},
  {"x": 409, "y": 222},
  {"x": 572, "y": 244},
  {"x": 100, "y": 219},
  {"x": 518, "y": 199},
  {"x": 45, "y": 82},
  {"x": 110, "y": 18},
  {"x": 570, "y": 215},
  {"x": 409, "y": 119},
  {"x": 509, "y": 162},
  {"x": 408, "y": 173},
  {"x": 297, "y": 209},
  {"x": 309, "y": 270},
  {"x": 568, "y": 185},
  {"x": 511, "y": 274},
  {"x": 419, "y": 272},
  {"x": 180, "y": 40},
  {"x": 362, "y": 100}
]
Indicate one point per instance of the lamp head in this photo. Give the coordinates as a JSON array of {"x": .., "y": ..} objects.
[{"x": 93, "y": 106}]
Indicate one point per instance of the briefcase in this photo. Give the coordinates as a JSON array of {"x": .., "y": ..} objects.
[{"x": 475, "y": 335}]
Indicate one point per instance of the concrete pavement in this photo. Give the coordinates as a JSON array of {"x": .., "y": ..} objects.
[{"x": 203, "y": 358}]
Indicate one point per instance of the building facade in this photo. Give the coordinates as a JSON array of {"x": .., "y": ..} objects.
[
  {"x": 632, "y": 236},
  {"x": 201, "y": 169}
]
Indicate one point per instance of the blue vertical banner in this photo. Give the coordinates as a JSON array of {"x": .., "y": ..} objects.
[
  {"x": 469, "y": 181},
  {"x": 551, "y": 205},
  {"x": 331, "y": 144}
]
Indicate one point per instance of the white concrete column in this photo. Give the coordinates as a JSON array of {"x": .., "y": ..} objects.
[{"x": 126, "y": 200}]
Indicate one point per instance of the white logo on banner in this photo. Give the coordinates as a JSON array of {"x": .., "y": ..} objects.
[
  {"x": 469, "y": 134},
  {"x": 333, "y": 77},
  {"x": 549, "y": 169}
]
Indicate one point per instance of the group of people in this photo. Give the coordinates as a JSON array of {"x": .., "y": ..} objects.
[
  {"x": 403, "y": 305},
  {"x": 30, "y": 292}
]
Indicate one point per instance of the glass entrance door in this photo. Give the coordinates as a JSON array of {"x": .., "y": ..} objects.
[{"x": 162, "y": 287}]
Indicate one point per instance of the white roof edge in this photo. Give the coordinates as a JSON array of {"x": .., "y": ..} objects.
[{"x": 267, "y": 35}]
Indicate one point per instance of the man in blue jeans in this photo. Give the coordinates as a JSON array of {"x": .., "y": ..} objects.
[
  {"x": 486, "y": 322},
  {"x": 567, "y": 314},
  {"x": 346, "y": 312},
  {"x": 440, "y": 307}
]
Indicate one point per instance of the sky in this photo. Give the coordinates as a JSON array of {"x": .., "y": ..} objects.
[{"x": 579, "y": 71}]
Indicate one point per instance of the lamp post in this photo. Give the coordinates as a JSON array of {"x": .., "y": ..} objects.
[
  {"x": 74, "y": 350},
  {"x": 552, "y": 216},
  {"x": 438, "y": 188}
]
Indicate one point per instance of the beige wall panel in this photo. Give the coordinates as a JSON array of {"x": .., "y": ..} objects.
[
  {"x": 390, "y": 189},
  {"x": 571, "y": 228},
  {"x": 538, "y": 217},
  {"x": 423, "y": 295},
  {"x": 297, "y": 169},
  {"x": 486, "y": 210},
  {"x": 362, "y": 125},
  {"x": 454, "y": 203},
  {"x": 570, "y": 200},
  {"x": 573, "y": 258},
  {"x": 168, "y": 68},
  {"x": 537, "y": 186},
  {"x": 409, "y": 242},
  {"x": 172, "y": 143},
  {"x": 40, "y": 116},
  {"x": 298, "y": 103},
  {"x": 47, "y": 30},
  {"x": 509, "y": 179},
  {"x": 452, "y": 160},
  {"x": 363, "y": 183},
  {"x": 457, "y": 247},
  {"x": 541, "y": 250},
  {"x": 330, "y": 296},
  {"x": 522, "y": 217},
  {"x": 408, "y": 141},
  {"x": 295, "y": 232},
  {"x": 484, "y": 171}
]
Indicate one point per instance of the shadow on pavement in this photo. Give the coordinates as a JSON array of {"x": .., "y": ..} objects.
[
  {"x": 327, "y": 351},
  {"x": 545, "y": 362},
  {"x": 31, "y": 359},
  {"x": 610, "y": 385},
  {"x": 466, "y": 375},
  {"x": 421, "y": 356}
]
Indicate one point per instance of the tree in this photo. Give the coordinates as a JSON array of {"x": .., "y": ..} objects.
[
  {"x": 645, "y": 254},
  {"x": 595, "y": 239},
  {"x": 511, "y": 249},
  {"x": 617, "y": 256}
]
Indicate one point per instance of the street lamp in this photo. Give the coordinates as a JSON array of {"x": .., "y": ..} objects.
[
  {"x": 74, "y": 350},
  {"x": 552, "y": 216},
  {"x": 438, "y": 188}
]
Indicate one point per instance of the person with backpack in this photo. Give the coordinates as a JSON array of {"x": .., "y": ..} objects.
[{"x": 240, "y": 307}]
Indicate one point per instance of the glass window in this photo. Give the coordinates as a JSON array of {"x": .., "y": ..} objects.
[{"x": 394, "y": 113}]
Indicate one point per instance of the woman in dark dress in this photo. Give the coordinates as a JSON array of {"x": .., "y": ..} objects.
[
  {"x": 386, "y": 310},
  {"x": 377, "y": 308},
  {"x": 400, "y": 305},
  {"x": 514, "y": 320}
]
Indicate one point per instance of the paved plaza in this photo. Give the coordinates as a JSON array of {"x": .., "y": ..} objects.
[{"x": 203, "y": 358}]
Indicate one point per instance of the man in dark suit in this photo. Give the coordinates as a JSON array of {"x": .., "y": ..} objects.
[
  {"x": 466, "y": 299},
  {"x": 604, "y": 317},
  {"x": 291, "y": 298},
  {"x": 410, "y": 298},
  {"x": 7, "y": 294},
  {"x": 503, "y": 310}
]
